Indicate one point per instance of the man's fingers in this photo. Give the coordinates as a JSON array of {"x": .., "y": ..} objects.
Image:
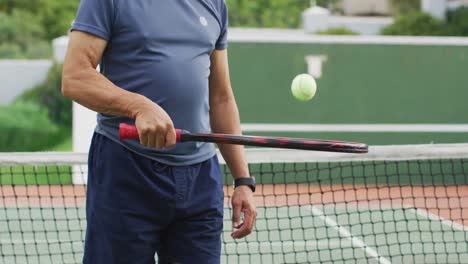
[
  {"x": 236, "y": 214},
  {"x": 160, "y": 141},
  {"x": 247, "y": 225},
  {"x": 143, "y": 137},
  {"x": 151, "y": 142},
  {"x": 170, "y": 138},
  {"x": 251, "y": 216}
]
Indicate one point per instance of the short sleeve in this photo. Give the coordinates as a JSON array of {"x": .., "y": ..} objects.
[
  {"x": 222, "y": 42},
  {"x": 95, "y": 17}
]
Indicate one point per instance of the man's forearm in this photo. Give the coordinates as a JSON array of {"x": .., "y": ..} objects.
[
  {"x": 92, "y": 90},
  {"x": 225, "y": 119}
]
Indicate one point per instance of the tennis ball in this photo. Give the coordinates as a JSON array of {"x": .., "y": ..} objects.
[{"x": 303, "y": 87}]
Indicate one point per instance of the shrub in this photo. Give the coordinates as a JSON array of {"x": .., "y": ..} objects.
[
  {"x": 48, "y": 96},
  {"x": 416, "y": 24},
  {"x": 458, "y": 21},
  {"x": 337, "y": 31},
  {"x": 11, "y": 51},
  {"x": 24, "y": 126}
]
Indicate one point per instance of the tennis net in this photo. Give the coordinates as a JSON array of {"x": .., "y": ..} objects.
[{"x": 397, "y": 204}]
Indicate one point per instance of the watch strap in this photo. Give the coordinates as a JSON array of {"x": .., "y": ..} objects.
[{"x": 245, "y": 181}]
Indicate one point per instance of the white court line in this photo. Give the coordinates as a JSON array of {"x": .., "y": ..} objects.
[
  {"x": 346, "y": 234},
  {"x": 446, "y": 222},
  {"x": 408, "y": 128},
  {"x": 266, "y": 247}
]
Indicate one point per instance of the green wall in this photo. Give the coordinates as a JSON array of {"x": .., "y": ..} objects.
[{"x": 361, "y": 84}]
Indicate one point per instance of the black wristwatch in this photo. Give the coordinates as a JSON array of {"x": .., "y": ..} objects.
[{"x": 245, "y": 181}]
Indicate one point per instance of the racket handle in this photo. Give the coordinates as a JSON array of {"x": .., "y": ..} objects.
[{"x": 130, "y": 132}]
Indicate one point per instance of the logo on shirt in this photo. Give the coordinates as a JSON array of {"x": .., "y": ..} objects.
[{"x": 203, "y": 21}]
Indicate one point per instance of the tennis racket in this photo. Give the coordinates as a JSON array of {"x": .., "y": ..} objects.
[{"x": 130, "y": 132}]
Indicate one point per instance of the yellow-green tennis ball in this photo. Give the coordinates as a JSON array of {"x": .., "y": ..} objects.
[{"x": 304, "y": 87}]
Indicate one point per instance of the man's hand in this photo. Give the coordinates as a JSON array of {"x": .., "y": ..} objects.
[
  {"x": 154, "y": 126},
  {"x": 243, "y": 202}
]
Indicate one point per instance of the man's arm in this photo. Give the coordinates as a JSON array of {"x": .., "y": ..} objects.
[
  {"x": 83, "y": 84},
  {"x": 224, "y": 117}
]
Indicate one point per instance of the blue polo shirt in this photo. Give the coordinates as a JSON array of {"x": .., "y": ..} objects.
[{"x": 160, "y": 49}]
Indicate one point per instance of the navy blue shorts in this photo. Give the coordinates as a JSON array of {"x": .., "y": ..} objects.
[{"x": 137, "y": 207}]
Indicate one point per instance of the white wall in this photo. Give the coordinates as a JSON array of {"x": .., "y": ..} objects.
[
  {"x": 17, "y": 76},
  {"x": 436, "y": 8},
  {"x": 84, "y": 122}
]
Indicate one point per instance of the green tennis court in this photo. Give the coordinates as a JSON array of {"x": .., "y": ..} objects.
[
  {"x": 310, "y": 234},
  {"x": 401, "y": 204},
  {"x": 296, "y": 234}
]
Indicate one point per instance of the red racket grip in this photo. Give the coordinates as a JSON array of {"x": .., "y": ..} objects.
[{"x": 130, "y": 132}]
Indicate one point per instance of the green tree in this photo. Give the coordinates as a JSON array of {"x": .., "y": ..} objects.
[
  {"x": 416, "y": 24},
  {"x": 8, "y": 6},
  {"x": 266, "y": 13},
  {"x": 458, "y": 21},
  {"x": 332, "y": 5},
  {"x": 56, "y": 16},
  {"x": 20, "y": 27},
  {"x": 22, "y": 36}
]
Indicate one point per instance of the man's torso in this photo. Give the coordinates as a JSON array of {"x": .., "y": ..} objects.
[{"x": 161, "y": 49}]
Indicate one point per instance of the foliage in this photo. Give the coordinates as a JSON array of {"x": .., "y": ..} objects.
[
  {"x": 21, "y": 36},
  {"x": 422, "y": 24},
  {"x": 327, "y": 3},
  {"x": 24, "y": 126},
  {"x": 337, "y": 31},
  {"x": 266, "y": 13},
  {"x": 458, "y": 22},
  {"x": 401, "y": 7},
  {"x": 416, "y": 24},
  {"x": 37, "y": 50},
  {"x": 53, "y": 16},
  {"x": 20, "y": 27},
  {"x": 65, "y": 145},
  {"x": 49, "y": 97},
  {"x": 38, "y": 119},
  {"x": 11, "y": 51},
  {"x": 57, "y": 16},
  {"x": 27, "y": 5}
]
